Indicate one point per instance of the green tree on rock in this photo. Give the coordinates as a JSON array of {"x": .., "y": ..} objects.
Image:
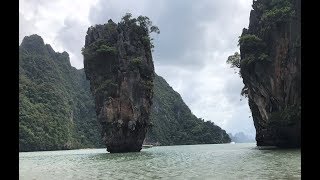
[{"x": 234, "y": 60}]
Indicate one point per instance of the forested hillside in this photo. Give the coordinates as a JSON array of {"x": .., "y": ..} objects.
[{"x": 56, "y": 109}]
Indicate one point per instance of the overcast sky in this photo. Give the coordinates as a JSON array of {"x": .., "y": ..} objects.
[{"x": 195, "y": 39}]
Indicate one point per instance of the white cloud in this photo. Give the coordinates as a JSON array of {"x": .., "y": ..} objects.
[{"x": 190, "y": 52}]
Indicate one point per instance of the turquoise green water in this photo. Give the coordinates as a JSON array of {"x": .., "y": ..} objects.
[{"x": 212, "y": 161}]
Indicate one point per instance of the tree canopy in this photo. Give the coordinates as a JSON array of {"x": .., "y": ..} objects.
[{"x": 234, "y": 60}]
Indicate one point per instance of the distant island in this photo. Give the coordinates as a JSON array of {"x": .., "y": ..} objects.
[{"x": 241, "y": 137}]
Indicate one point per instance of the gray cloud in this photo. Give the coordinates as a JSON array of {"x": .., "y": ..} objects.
[
  {"x": 26, "y": 27},
  {"x": 72, "y": 36},
  {"x": 184, "y": 25},
  {"x": 63, "y": 28}
]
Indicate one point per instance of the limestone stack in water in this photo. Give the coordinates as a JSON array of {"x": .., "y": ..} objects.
[
  {"x": 119, "y": 65},
  {"x": 271, "y": 71}
]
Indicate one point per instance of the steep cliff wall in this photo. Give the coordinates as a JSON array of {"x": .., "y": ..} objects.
[
  {"x": 119, "y": 65},
  {"x": 271, "y": 71}
]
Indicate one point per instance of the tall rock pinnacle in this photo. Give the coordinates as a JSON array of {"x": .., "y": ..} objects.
[
  {"x": 119, "y": 65},
  {"x": 271, "y": 71}
]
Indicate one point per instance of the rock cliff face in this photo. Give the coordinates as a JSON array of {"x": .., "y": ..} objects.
[
  {"x": 119, "y": 65},
  {"x": 271, "y": 71}
]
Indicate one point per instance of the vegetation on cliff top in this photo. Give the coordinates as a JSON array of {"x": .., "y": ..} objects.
[
  {"x": 253, "y": 45},
  {"x": 141, "y": 25},
  {"x": 270, "y": 15}
]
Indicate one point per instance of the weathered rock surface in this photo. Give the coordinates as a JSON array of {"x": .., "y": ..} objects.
[
  {"x": 119, "y": 65},
  {"x": 271, "y": 71}
]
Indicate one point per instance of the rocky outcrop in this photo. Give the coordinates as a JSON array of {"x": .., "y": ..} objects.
[
  {"x": 119, "y": 65},
  {"x": 271, "y": 71}
]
